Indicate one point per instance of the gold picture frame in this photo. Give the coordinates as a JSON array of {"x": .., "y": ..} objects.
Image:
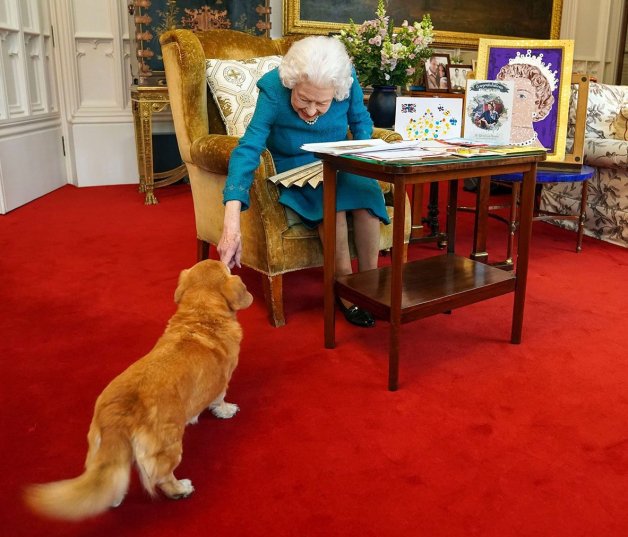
[
  {"x": 556, "y": 58},
  {"x": 331, "y": 17}
]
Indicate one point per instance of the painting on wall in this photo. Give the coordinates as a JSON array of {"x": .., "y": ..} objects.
[
  {"x": 151, "y": 18},
  {"x": 530, "y": 19},
  {"x": 541, "y": 70}
]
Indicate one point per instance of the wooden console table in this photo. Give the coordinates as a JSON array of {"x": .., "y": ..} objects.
[
  {"x": 405, "y": 292},
  {"x": 146, "y": 100}
]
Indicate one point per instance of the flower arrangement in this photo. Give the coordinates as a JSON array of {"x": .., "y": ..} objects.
[{"x": 384, "y": 57}]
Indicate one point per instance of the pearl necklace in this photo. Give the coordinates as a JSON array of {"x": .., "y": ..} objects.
[
  {"x": 529, "y": 141},
  {"x": 311, "y": 121}
]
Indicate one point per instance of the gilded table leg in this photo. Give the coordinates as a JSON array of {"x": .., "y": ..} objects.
[
  {"x": 141, "y": 163},
  {"x": 146, "y": 142}
]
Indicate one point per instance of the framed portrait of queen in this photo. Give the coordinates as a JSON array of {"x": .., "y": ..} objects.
[{"x": 541, "y": 71}]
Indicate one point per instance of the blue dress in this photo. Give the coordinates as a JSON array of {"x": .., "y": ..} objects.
[{"x": 276, "y": 126}]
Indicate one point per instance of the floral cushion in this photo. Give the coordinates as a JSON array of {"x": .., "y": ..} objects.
[
  {"x": 621, "y": 124},
  {"x": 605, "y": 102},
  {"x": 233, "y": 84}
]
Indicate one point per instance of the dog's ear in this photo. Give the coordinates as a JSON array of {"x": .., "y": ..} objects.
[
  {"x": 234, "y": 290},
  {"x": 178, "y": 293}
]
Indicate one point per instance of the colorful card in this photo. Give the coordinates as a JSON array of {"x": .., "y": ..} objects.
[
  {"x": 428, "y": 118},
  {"x": 488, "y": 111}
]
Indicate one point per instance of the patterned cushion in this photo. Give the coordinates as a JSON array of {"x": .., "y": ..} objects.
[
  {"x": 621, "y": 124},
  {"x": 605, "y": 101},
  {"x": 233, "y": 86}
]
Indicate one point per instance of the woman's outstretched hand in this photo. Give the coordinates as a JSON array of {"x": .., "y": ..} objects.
[{"x": 230, "y": 244}]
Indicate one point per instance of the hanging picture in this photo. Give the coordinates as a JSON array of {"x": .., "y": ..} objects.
[
  {"x": 541, "y": 70},
  {"x": 151, "y": 18},
  {"x": 428, "y": 118},
  {"x": 488, "y": 111}
]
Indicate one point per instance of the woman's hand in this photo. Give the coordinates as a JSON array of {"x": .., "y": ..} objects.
[{"x": 230, "y": 244}]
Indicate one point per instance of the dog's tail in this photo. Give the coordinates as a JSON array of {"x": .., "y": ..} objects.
[{"x": 102, "y": 485}]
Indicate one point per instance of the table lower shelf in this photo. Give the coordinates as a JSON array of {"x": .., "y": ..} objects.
[{"x": 430, "y": 286}]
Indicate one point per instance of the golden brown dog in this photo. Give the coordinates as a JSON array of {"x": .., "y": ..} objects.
[{"x": 141, "y": 414}]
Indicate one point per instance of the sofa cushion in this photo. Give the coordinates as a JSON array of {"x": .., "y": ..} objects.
[
  {"x": 233, "y": 84},
  {"x": 621, "y": 123},
  {"x": 605, "y": 102}
]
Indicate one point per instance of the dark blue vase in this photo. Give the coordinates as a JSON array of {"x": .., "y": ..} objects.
[{"x": 382, "y": 106}]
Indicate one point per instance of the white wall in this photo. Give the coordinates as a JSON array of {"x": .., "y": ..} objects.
[
  {"x": 31, "y": 154},
  {"x": 94, "y": 51},
  {"x": 595, "y": 27}
]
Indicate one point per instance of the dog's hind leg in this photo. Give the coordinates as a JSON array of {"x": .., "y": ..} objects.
[
  {"x": 157, "y": 457},
  {"x": 221, "y": 409}
]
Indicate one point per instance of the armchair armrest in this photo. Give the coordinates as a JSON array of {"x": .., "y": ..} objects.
[{"x": 386, "y": 135}]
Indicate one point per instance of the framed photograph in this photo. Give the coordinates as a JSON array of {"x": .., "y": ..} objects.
[
  {"x": 436, "y": 73},
  {"x": 457, "y": 76},
  {"x": 522, "y": 19},
  {"x": 541, "y": 70}
]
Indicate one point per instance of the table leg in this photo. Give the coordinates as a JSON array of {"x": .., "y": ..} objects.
[
  {"x": 417, "y": 229},
  {"x": 329, "y": 253},
  {"x": 396, "y": 285},
  {"x": 452, "y": 208},
  {"x": 479, "y": 252},
  {"x": 146, "y": 144},
  {"x": 141, "y": 164},
  {"x": 526, "y": 211}
]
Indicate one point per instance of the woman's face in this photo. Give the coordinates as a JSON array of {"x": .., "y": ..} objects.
[
  {"x": 310, "y": 101},
  {"x": 524, "y": 103}
]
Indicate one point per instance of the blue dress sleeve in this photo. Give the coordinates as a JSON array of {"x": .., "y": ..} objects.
[
  {"x": 245, "y": 157},
  {"x": 360, "y": 122}
]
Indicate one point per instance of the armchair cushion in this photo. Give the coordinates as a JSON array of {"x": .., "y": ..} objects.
[
  {"x": 233, "y": 85},
  {"x": 621, "y": 123}
]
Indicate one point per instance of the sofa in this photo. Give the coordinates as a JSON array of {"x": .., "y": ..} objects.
[{"x": 605, "y": 149}]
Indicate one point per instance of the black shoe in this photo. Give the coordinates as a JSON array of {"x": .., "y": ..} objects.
[{"x": 356, "y": 316}]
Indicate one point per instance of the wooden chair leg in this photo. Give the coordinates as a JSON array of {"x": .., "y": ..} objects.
[
  {"x": 583, "y": 210},
  {"x": 202, "y": 250},
  {"x": 273, "y": 295}
]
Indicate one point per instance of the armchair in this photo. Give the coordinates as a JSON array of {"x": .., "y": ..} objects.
[{"x": 272, "y": 245}]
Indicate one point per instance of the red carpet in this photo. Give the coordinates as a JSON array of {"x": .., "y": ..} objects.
[{"x": 483, "y": 438}]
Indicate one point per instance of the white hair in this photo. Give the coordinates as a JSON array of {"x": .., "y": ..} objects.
[{"x": 323, "y": 61}]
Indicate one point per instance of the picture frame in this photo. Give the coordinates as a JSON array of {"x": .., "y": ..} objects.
[
  {"x": 554, "y": 58},
  {"x": 523, "y": 19},
  {"x": 457, "y": 76},
  {"x": 435, "y": 72}
]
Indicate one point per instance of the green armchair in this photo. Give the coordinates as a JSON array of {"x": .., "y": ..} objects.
[{"x": 271, "y": 245}]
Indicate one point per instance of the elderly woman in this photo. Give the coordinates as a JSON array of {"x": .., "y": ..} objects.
[{"x": 312, "y": 97}]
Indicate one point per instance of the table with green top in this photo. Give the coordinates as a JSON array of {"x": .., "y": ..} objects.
[{"x": 407, "y": 291}]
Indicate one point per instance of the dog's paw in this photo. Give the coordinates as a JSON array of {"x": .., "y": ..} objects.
[
  {"x": 185, "y": 489},
  {"x": 225, "y": 410}
]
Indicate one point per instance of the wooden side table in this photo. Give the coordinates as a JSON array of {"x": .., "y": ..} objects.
[
  {"x": 405, "y": 292},
  {"x": 146, "y": 100}
]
